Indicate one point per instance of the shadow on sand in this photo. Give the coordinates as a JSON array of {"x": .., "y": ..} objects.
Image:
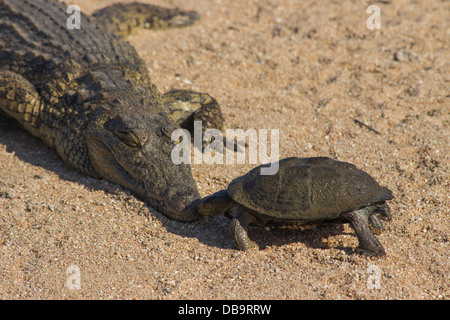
[{"x": 212, "y": 231}]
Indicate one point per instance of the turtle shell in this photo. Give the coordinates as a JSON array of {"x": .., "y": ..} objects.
[{"x": 309, "y": 189}]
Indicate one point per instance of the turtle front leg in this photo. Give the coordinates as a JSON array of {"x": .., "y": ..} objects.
[
  {"x": 239, "y": 228},
  {"x": 368, "y": 242}
]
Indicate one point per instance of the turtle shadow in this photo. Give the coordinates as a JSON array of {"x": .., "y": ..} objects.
[
  {"x": 213, "y": 231},
  {"x": 315, "y": 237}
]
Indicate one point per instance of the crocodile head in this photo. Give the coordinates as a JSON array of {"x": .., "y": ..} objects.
[{"x": 134, "y": 151}]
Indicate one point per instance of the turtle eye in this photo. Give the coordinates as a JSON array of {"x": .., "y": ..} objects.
[{"x": 129, "y": 138}]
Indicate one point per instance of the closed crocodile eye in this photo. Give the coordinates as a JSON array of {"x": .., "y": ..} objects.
[
  {"x": 129, "y": 138},
  {"x": 166, "y": 132}
]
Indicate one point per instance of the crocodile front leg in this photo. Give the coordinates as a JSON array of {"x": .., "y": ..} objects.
[
  {"x": 184, "y": 107},
  {"x": 20, "y": 101},
  {"x": 124, "y": 18}
]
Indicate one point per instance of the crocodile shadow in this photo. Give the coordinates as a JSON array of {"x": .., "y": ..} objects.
[{"x": 212, "y": 231}]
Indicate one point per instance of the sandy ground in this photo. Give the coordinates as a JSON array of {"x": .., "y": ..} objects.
[{"x": 304, "y": 67}]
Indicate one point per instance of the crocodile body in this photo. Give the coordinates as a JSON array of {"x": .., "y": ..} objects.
[{"x": 87, "y": 94}]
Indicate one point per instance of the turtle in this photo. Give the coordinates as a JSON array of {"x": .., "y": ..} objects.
[{"x": 303, "y": 191}]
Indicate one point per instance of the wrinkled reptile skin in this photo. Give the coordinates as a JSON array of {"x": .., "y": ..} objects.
[
  {"x": 124, "y": 19},
  {"x": 87, "y": 94}
]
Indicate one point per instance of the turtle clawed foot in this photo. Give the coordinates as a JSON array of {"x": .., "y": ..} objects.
[
  {"x": 371, "y": 252},
  {"x": 381, "y": 211},
  {"x": 376, "y": 223},
  {"x": 384, "y": 211},
  {"x": 248, "y": 246}
]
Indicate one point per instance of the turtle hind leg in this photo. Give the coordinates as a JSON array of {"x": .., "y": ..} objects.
[
  {"x": 376, "y": 223},
  {"x": 239, "y": 228},
  {"x": 124, "y": 18},
  {"x": 368, "y": 242},
  {"x": 379, "y": 211},
  {"x": 384, "y": 210}
]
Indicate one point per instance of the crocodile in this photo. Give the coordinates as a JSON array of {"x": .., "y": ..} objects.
[{"x": 88, "y": 95}]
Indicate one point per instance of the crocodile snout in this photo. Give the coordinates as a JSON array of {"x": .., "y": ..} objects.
[{"x": 180, "y": 206}]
